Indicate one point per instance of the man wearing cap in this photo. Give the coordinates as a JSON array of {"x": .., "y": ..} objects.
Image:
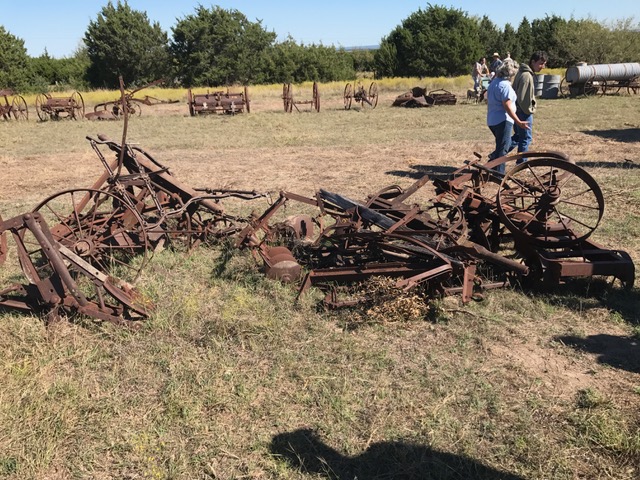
[{"x": 495, "y": 63}]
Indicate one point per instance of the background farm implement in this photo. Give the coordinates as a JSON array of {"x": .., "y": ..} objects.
[
  {"x": 225, "y": 102},
  {"x": 13, "y": 106},
  {"x": 49, "y": 107}
]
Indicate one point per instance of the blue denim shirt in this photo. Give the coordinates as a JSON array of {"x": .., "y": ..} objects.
[{"x": 499, "y": 90}]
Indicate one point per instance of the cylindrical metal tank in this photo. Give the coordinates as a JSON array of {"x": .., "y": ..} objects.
[
  {"x": 551, "y": 86},
  {"x": 538, "y": 80},
  {"x": 608, "y": 71}
]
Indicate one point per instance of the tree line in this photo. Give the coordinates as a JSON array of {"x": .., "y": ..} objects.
[{"x": 214, "y": 46}]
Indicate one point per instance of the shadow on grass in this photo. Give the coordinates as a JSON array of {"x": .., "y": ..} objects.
[
  {"x": 420, "y": 171},
  {"x": 627, "y": 135},
  {"x": 586, "y": 294},
  {"x": 615, "y": 351},
  {"x": 303, "y": 450}
]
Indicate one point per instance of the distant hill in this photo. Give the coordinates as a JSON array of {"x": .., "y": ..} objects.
[{"x": 363, "y": 47}]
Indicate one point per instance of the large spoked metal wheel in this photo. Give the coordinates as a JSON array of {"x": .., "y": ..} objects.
[
  {"x": 348, "y": 96},
  {"x": 373, "y": 94},
  {"x": 247, "y": 102},
  {"x": 564, "y": 90},
  {"x": 98, "y": 227},
  {"x": 41, "y": 106},
  {"x": 77, "y": 106},
  {"x": 287, "y": 97},
  {"x": 550, "y": 203},
  {"x": 19, "y": 108},
  {"x": 596, "y": 85}
]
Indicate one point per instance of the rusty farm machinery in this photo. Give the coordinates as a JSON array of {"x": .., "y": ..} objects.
[
  {"x": 50, "y": 107},
  {"x": 83, "y": 249},
  {"x": 114, "y": 109},
  {"x": 13, "y": 105},
  {"x": 360, "y": 95},
  {"x": 226, "y": 102},
  {"x": 290, "y": 103}
]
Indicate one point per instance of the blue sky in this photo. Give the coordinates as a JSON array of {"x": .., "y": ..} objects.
[{"x": 60, "y": 26}]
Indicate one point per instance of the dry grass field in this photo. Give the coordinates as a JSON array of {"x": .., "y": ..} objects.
[{"x": 230, "y": 380}]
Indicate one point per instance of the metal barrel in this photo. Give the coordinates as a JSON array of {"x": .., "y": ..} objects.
[
  {"x": 550, "y": 86},
  {"x": 537, "y": 85},
  {"x": 608, "y": 71}
]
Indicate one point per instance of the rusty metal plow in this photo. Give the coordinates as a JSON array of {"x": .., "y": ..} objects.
[
  {"x": 137, "y": 207},
  {"x": 60, "y": 280},
  {"x": 483, "y": 229}
]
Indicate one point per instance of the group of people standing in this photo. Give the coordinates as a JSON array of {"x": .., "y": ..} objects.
[{"x": 511, "y": 105}]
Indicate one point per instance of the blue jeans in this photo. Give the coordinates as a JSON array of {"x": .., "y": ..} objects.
[
  {"x": 502, "y": 132},
  {"x": 521, "y": 137}
]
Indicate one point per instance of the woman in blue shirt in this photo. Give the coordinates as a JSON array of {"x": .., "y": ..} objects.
[{"x": 501, "y": 109}]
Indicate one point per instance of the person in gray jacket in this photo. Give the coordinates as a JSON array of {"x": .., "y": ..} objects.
[{"x": 524, "y": 85}]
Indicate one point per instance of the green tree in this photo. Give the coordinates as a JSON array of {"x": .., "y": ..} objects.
[
  {"x": 14, "y": 62},
  {"x": 509, "y": 43},
  {"x": 437, "y": 41},
  {"x": 584, "y": 40},
  {"x": 489, "y": 36},
  {"x": 545, "y": 38},
  {"x": 220, "y": 47},
  {"x": 123, "y": 42},
  {"x": 385, "y": 60},
  {"x": 624, "y": 40},
  {"x": 525, "y": 40}
]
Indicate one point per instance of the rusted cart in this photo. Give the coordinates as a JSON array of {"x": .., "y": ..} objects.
[
  {"x": 219, "y": 102},
  {"x": 48, "y": 107},
  {"x": 289, "y": 103},
  {"x": 13, "y": 105},
  {"x": 360, "y": 95},
  {"x": 134, "y": 105}
]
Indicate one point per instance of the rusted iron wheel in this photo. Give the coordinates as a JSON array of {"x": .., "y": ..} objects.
[
  {"x": 373, "y": 94},
  {"x": 596, "y": 85},
  {"x": 190, "y": 102},
  {"x": 247, "y": 102},
  {"x": 347, "y": 96},
  {"x": 316, "y": 97},
  {"x": 550, "y": 202},
  {"x": 287, "y": 97},
  {"x": 41, "y": 106},
  {"x": 563, "y": 90},
  {"x": 97, "y": 226},
  {"x": 77, "y": 106},
  {"x": 19, "y": 108}
]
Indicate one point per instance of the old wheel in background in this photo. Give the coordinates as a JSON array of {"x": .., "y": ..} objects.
[
  {"x": 373, "y": 94},
  {"x": 77, "y": 106},
  {"x": 41, "y": 102},
  {"x": 19, "y": 108},
  {"x": 348, "y": 96}
]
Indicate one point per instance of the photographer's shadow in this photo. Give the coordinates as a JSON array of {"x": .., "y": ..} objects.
[{"x": 302, "y": 449}]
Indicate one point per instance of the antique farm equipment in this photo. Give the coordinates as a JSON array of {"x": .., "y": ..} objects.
[
  {"x": 441, "y": 97},
  {"x": 59, "y": 280},
  {"x": 545, "y": 209},
  {"x": 48, "y": 107},
  {"x": 13, "y": 105},
  {"x": 601, "y": 79},
  {"x": 290, "y": 103},
  {"x": 219, "y": 102},
  {"x": 134, "y": 105},
  {"x": 360, "y": 95},
  {"x": 482, "y": 230}
]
